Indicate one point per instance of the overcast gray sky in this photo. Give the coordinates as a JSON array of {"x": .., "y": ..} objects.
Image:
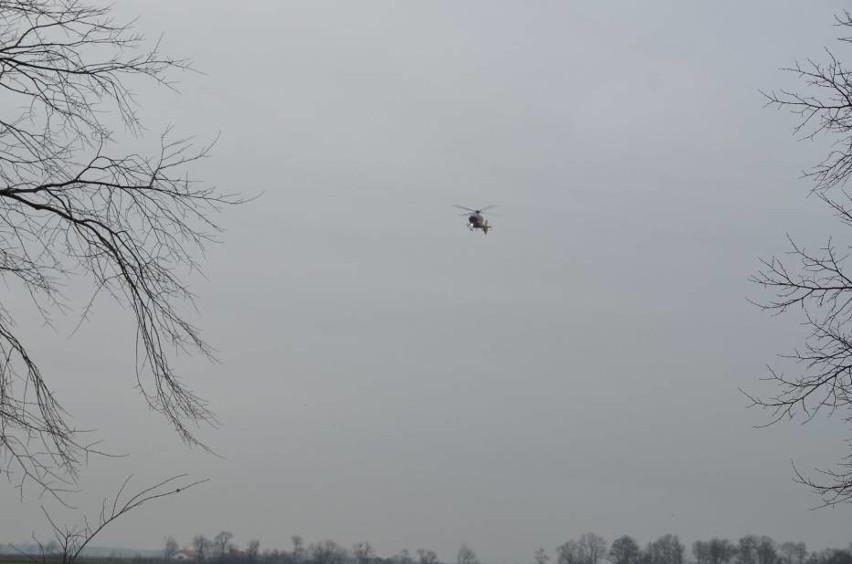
[{"x": 388, "y": 376}]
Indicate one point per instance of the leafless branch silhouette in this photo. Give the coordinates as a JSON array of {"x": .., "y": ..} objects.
[
  {"x": 70, "y": 541},
  {"x": 816, "y": 283},
  {"x": 70, "y": 207}
]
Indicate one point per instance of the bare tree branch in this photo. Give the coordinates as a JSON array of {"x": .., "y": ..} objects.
[
  {"x": 70, "y": 207},
  {"x": 816, "y": 283},
  {"x": 72, "y": 540}
]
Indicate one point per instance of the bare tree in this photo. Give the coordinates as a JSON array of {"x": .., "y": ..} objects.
[
  {"x": 328, "y": 552},
  {"x": 587, "y": 550},
  {"x": 170, "y": 548},
  {"x": 298, "y": 548},
  {"x": 72, "y": 540},
  {"x": 201, "y": 544},
  {"x": 592, "y": 548},
  {"x": 747, "y": 550},
  {"x": 363, "y": 553},
  {"x": 71, "y": 206},
  {"x": 721, "y": 551},
  {"x": 625, "y": 550},
  {"x": 426, "y": 556},
  {"x": 221, "y": 543},
  {"x": 466, "y": 555},
  {"x": 253, "y": 549},
  {"x": 838, "y": 556},
  {"x": 766, "y": 552},
  {"x": 541, "y": 556},
  {"x": 701, "y": 552},
  {"x": 569, "y": 553},
  {"x": 403, "y": 557},
  {"x": 665, "y": 550},
  {"x": 787, "y": 552},
  {"x": 815, "y": 282}
]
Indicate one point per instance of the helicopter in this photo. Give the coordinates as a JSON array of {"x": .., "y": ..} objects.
[{"x": 475, "y": 219}]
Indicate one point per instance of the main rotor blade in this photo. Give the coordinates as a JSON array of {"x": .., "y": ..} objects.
[
  {"x": 464, "y": 208},
  {"x": 486, "y": 208}
]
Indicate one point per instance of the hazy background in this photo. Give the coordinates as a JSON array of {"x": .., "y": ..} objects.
[{"x": 388, "y": 376}]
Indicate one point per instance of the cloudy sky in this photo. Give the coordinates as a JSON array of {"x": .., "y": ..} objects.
[{"x": 384, "y": 374}]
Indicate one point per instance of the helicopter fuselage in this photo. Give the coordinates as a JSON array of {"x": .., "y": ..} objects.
[{"x": 476, "y": 221}]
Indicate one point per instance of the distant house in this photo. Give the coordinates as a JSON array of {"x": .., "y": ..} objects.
[{"x": 185, "y": 554}]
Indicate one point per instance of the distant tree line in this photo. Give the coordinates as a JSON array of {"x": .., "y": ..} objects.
[{"x": 588, "y": 548}]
